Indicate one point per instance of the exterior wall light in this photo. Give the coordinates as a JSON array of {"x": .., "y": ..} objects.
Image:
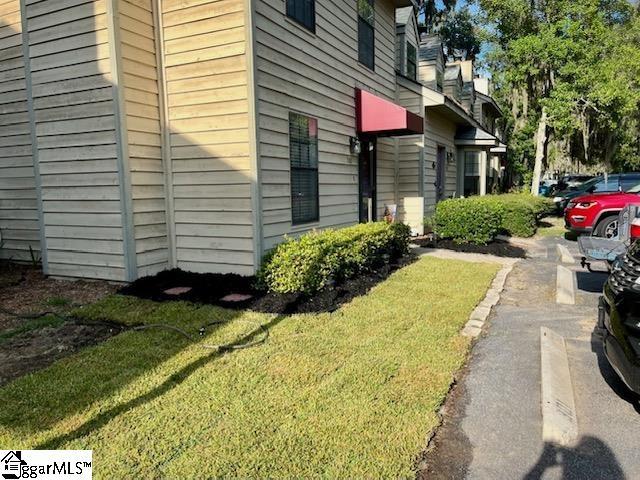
[{"x": 355, "y": 146}]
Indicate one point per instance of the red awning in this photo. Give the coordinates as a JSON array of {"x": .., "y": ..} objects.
[{"x": 380, "y": 117}]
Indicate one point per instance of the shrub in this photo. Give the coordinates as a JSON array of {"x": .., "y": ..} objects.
[
  {"x": 309, "y": 263},
  {"x": 521, "y": 212},
  {"x": 468, "y": 220}
]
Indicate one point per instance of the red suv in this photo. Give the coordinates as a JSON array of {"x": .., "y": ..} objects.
[{"x": 597, "y": 213}]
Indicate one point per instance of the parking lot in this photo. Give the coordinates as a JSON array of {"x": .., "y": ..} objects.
[{"x": 493, "y": 420}]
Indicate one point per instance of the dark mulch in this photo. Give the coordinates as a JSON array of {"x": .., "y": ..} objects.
[
  {"x": 497, "y": 247},
  {"x": 210, "y": 288}
]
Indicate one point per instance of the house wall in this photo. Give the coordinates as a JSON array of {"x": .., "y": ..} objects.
[
  {"x": 315, "y": 75},
  {"x": 409, "y": 149},
  {"x": 205, "y": 60},
  {"x": 439, "y": 131},
  {"x": 19, "y": 221},
  {"x": 140, "y": 80},
  {"x": 75, "y": 129}
]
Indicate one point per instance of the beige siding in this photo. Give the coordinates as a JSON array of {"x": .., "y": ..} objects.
[
  {"x": 439, "y": 131},
  {"x": 207, "y": 100},
  {"x": 316, "y": 75},
  {"x": 409, "y": 150},
  {"x": 19, "y": 225},
  {"x": 386, "y": 174},
  {"x": 142, "y": 110},
  {"x": 75, "y": 129}
]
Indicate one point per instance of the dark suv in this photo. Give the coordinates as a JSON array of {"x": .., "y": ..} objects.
[{"x": 620, "y": 317}]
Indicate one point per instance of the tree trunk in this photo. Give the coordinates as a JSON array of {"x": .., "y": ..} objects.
[{"x": 541, "y": 143}]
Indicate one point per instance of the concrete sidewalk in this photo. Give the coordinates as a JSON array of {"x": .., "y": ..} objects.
[{"x": 492, "y": 427}]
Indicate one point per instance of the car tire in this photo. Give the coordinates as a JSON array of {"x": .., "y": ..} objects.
[{"x": 607, "y": 227}]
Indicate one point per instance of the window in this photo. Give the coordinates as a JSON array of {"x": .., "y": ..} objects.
[
  {"x": 366, "y": 37},
  {"x": 303, "y": 12},
  {"x": 471, "y": 173},
  {"x": 411, "y": 61},
  {"x": 303, "y": 155}
]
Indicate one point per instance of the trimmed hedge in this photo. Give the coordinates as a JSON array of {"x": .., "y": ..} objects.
[
  {"x": 313, "y": 261},
  {"x": 468, "y": 220},
  {"x": 474, "y": 219}
]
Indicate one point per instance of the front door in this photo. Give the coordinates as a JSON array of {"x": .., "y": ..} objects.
[
  {"x": 367, "y": 180},
  {"x": 441, "y": 160}
]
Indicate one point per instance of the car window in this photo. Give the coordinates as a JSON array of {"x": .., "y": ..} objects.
[
  {"x": 609, "y": 184},
  {"x": 630, "y": 182}
]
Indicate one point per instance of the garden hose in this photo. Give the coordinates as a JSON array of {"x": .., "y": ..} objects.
[{"x": 202, "y": 330}]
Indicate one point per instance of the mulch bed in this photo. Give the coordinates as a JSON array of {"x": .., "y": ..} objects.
[
  {"x": 497, "y": 247},
  {"x": 210, "y": 288}
]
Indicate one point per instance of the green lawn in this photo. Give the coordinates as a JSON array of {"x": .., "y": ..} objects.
[
  {"x": 551, "y": 227},
  {"x": 348, "y": 394}
]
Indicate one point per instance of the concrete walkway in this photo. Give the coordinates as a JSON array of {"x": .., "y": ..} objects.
[{"x": 492, "y": 427}]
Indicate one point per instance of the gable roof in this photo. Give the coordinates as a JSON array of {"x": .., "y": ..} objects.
[
  {"x": 452, "y": 72},
  {"x": 430, "y": 47},
  {"x": 403, "y": 15}
]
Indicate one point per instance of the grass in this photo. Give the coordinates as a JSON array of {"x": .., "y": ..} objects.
[
  {"x": 348, "y": 394},
  {"x": 551, "y": 227}
]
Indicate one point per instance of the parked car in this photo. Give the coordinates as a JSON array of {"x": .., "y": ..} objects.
[
  {"x": 619, "y": 316},
  {"x": 573, "y": 180},
  {"x": 547, "y": 187},
  {"x": 611, "y": 183},
  {"x": 598, "y": 213}
]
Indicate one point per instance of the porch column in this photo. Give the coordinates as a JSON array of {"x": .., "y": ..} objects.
[{"x": 483, "y": 172}]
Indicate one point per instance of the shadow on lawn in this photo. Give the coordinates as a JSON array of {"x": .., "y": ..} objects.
[
  {"x": 38, "y": 402},
  {"x": 174, "y": 380}
]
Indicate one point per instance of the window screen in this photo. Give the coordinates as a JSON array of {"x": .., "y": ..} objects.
[
  {"x": 472, "y": 164},
  {"x": 411, "y": 61},
  {"x": 366, "y": 29},
  {"x": 303, "y": 155},
  {"x": 303, "y": 12}
]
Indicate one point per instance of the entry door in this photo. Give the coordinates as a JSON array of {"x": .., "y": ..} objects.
[
  {"x": 441, "y": 163},
  {"x": 367, "y": 180}
]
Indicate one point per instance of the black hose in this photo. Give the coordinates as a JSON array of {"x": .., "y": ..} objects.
[{"x": 201, "y": 330}]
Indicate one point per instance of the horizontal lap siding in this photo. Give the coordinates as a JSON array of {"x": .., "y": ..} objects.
[
  {"x": 19, "y": 224},
  {"x": 439, "y": 131},
  {"x": 142, "y": 108},
  {"x": 207, "y": 101},
  {"x": 409, "y": 150},
  {"x": 316, "y": 75},
  {"x": 386, "y": 174},
  {"x": 75, "y": 129}
]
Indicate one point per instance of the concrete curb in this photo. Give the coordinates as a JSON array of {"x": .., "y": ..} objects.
[
  {"x": 478, "y": 317},
  {"x": 559, "y": 419},
  {"x": 565, "y": 286},
  {"x": 564, "y": 255}
]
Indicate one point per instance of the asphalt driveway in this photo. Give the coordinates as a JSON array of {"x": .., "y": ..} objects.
[{"x": 493, "y": 422}]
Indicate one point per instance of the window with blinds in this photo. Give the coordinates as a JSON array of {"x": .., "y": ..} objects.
[
  {"x": 411, "y": 61},
  {"x": 303, "y": 12},
  {"x": 303, "y": 155},
  {"x": 366, "y": 33}
]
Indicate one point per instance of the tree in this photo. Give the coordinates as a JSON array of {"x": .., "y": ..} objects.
[
  {"x": 571, "y": 68},
  {"x": 433, "y": 16},
  {"x": 459, "y": 35}
]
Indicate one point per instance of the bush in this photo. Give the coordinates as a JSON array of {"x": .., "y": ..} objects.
[
  {"x": 468, "y": 220},
  {"x": 309, "y": 263},
  {"x": 521, "y": 212}
]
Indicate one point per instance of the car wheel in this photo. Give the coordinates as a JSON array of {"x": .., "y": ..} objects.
[{"x": 608, "y": 228}]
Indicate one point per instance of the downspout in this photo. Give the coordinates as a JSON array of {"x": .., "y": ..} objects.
[
  {"x": 124, "y": 170},
  {"x": 33, "y": 136},
  {"x": 165, "y": 135},
  {"x": 254, "y": 138}
]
